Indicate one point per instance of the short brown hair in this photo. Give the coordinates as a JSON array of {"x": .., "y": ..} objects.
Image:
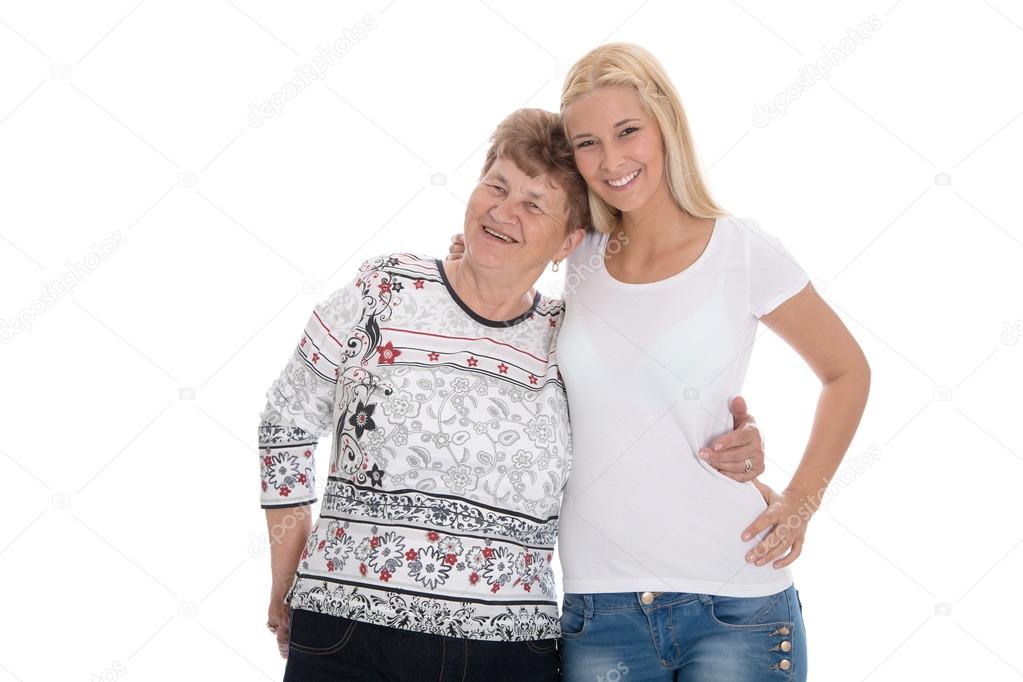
[{"x": 535, "y": 141}]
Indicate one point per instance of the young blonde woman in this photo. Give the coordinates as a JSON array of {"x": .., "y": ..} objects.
[{"x": 673, "y": 570}]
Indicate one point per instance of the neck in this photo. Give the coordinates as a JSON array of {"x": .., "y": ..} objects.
[
  {"x": 658, "y": 224},
  {"x": 491, "y": 294}
]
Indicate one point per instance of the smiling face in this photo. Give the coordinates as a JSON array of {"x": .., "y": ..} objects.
[
  {"x": 618, "y": 147},
  {"x": 515, "y": 221}
]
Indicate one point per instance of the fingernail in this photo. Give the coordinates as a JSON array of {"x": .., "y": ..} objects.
[
  {"x": 746, "y": 536},
  {"x": 704, "y": 454}
]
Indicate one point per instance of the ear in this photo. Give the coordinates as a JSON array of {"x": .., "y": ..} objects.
[{"x": 572, "y": 241}]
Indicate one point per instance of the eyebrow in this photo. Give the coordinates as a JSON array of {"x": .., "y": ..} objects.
[
  {"x": 529, "y": 193},
  {"x": 616, "y": 125}
]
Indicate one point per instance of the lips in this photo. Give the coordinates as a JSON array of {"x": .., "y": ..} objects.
[
  {"x": 623, "y": 181},
  {"x": 501, "y": 236}
]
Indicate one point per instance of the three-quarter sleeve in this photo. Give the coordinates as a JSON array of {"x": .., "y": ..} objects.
[
  {"x": 299, "y": 403},
  {"x": 774, "y": 274}
]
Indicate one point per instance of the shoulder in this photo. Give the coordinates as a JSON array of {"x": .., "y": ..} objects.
[
  {"x": 399, "y": 262},
  {"x": 550, "y": 307}
]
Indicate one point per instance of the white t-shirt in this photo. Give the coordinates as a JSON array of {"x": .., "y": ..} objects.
[{"x": 650, "y": 369}]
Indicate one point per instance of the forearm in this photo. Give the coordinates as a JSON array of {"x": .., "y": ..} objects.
[
  {"x": 839, "y": 410},
  {"x": 288, "y": 529}
]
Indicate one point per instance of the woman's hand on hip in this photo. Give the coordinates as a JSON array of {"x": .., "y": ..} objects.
[
  {"x": 739, "y": 455},
  {"x": 457, "y": 248},
  {"x": 786, "y": 516}
]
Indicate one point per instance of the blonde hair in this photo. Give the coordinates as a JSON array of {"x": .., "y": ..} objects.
[{"x": 625, "y": 64}]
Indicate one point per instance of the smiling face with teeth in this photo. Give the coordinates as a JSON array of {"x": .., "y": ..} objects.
[
  {"x": 516, "y": 222},
  {"x": 618, "y": 148}
]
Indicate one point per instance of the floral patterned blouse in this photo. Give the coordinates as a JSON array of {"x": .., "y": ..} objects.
[{"x": 450, "y": 448}]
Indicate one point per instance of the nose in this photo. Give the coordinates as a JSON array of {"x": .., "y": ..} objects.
[
  {"x": 612, "y": 158},
  {"x": 502, "y": 212}
]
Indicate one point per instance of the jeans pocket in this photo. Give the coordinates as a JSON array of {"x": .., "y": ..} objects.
[
  {"x": 319, "y": 633},
  {"x": 752, "y": 613},
  {"x": 543, "y": 647},
  {"x": 573, "y": 617}
]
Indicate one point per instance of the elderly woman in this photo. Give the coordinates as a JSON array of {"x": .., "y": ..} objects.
[{"x": 439, "y": 381}]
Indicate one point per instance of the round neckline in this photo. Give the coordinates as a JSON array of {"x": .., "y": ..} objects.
[
  {"x": 476, "y": 316},
  {"x": 704, "y": 255}
]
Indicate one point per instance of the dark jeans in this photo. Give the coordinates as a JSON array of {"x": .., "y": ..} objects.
[{"x": 324, "y": 648}]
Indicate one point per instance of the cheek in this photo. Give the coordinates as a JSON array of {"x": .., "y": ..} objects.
[{"x": 587, "y": 163}]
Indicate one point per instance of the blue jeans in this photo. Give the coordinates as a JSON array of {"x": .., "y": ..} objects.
[{"x": 615, "y": 637}]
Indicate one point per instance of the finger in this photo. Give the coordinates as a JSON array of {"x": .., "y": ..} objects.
[
  {"x": 741, "y": 476},
  {"x": 758, "y": 555},
  {"x": 783, "y": 546},
  {"x": 738, "y": 408},
  {"x": 759, "y": 525},
  {"x": 738, "y": 453},
  {"x": 797, "y": 549},
  {"x": 733, "y": 439},
  {"x": 457, "y": 238},
  {"x": 727, "y": 466},
  {"x": 282, "y": 641}
]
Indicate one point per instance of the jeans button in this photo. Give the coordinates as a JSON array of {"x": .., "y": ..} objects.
[
  {"x": 786, "y": 646},
  {"x": 647, "y": 598},
  {"x": 785, "y": 664}
]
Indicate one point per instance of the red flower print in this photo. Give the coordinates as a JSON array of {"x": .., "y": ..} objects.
[
  {"x": 474, "y": 578},
  {"x": 419, "y": 284},
  {"x": 553, "y": 322},
  {"x": 495, "y": 588},
  {"x": 341, "y": 533},
  {"x": 385, "y": 575},
  {"x": 374, "y": 542},
  {"x": 411, "y": 555},
  {"x": 532, "y": 379},
  {"x": 362, "y": 569},
  {"x": 433, "y": 536},
  {"x": 307, "y": 454},
  {"x": 451, "y": 559},
  {"x": 284, "y": 491},
  {"x": 502, "y": 368},
  {"x": 527, "y": 588},
  {"x": 337, "y": 372},
  {"x": 385, "y": 287},
  {"x": 323, "y": 543},
  {"x": 529, "y": 559},
  {"x": 387, "y": 354},
  {"x": 434, "y": 356},
  {"x": 488, "y": 552},
  {"x": 330, "y": 565},
  {"x": 302, "y": 343},
  {"x": 268, "y": 461},
  {"x": 305, "y": 553},
  {"x": 264, "y": 486},
  {"x": 316, "y": 357},
  {"x": 472, "y": 361}
]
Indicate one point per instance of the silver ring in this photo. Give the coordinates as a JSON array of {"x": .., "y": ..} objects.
[{"x": 749, "y": 465}]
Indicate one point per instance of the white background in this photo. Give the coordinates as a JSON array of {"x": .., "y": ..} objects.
[{"x": 132, "y": 544}]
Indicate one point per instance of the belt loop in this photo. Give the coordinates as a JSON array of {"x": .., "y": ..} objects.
[{"x": 588, "y": 606}]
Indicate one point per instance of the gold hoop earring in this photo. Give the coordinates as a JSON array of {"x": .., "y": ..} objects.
[{"x": 554, "y": 268}]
